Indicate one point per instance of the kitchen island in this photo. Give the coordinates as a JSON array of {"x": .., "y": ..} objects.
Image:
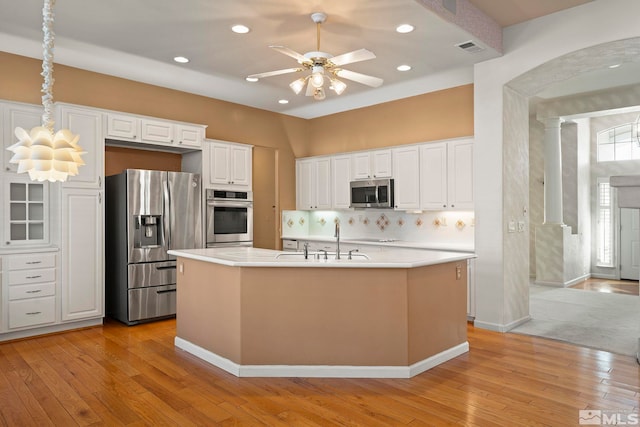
[{"x": 258, "y": 312}]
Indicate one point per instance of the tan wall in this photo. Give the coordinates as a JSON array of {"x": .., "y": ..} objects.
[
  {"x": 436, "y": 115},
  {"x": 117, "y": 159}
]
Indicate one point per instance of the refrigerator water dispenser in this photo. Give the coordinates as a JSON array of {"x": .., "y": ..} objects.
[{"x": 148, "y": 231}]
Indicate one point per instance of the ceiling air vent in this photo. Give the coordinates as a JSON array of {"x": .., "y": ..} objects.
[{"x": 470, "y": 47}]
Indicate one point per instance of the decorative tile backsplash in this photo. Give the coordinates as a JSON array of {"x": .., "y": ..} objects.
[{"x": 429, "y": 227}]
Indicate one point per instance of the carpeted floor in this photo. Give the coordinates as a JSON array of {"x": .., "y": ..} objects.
[{"x": 604, "y": 321}]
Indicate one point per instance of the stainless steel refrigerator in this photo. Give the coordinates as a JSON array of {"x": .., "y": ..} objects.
[{"x": 148, "y": 213}]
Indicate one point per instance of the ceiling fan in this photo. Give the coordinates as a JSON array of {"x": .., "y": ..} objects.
[{"x": 323, "y": 66}]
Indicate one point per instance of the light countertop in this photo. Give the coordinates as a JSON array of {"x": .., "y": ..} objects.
[
  {"x": 17, "y": 250},
  {"x": 256, "y": 257},
  {"x": 392, "y": 243}
]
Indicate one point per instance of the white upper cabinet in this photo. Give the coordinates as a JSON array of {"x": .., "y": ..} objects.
[
  {"x": 313, "y": 183},
  {"x": 460, "y": 174},
  {"x": 26, "y": 212},
  {"x": 227, "y": 165},
  {"x": 406, "y": 164},
  {"x": 157, "y": 131},
  {"x": 16, "y": 115},
  {"x": 147, "y": 130},
  {"x": 120, "y": 126},
  {"x": 446, "y": 175},
  {"x": 372, "y": 164},
  {"x": 86, "y": 123},
  {"x": 433, "y": 176},
  {"x": 340, "y": 180},
  {"x": 189, "y": 135}
]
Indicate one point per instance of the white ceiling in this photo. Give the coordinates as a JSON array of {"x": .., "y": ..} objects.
[{"x": 138, "y": 39}]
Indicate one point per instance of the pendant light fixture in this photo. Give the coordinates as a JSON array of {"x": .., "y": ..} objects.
[{"x": 44, "y": 155}]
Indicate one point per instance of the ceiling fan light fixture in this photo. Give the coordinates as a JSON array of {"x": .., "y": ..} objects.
[
  {"x": 319, "y": 94},
  {"x": 338, "y": 86},
  {"x": 317, "y": 78},
  {"x": 297, "y": 85}
]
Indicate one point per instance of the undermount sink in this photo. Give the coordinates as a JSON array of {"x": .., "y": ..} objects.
[{"x": 331, "y": 256}]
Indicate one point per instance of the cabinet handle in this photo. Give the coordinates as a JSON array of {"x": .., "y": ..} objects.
[
  {"x": 444, "y": 206},
  {"x": 453, "y": 206},
  {"x": 34, "y": 277},
  {"x": 33, "y": 313},
  {"x": 99, "y": 181},
  {"x": 34, "y": 292},
  {"x": 100, "y": 198},
  {"x": 33, "y": 262}
]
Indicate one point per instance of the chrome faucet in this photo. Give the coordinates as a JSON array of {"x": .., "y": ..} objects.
[
  {"x": 337, "y": 236},
  {"x": 306, "y": 250}
]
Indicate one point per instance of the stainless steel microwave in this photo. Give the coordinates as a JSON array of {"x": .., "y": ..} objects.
[{"x": 374, "y": 193}]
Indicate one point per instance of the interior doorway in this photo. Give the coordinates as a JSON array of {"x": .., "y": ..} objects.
[
  {"x": 266, "y": 232},
  {"x": 629, "y": 243}
]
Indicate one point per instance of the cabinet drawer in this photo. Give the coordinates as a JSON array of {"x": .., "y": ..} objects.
[
  {"x": 31, "y": 312},
  {"x": 289, "y": 245},
  {"x": 32, "y": 291},
  {"x": 40, "y": 275},
  {"x": 21, "y": 262}
]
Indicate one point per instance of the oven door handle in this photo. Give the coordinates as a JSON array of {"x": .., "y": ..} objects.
[{"x": 230, "y": 204}]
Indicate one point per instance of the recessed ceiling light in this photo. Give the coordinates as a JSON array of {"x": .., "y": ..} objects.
[
  {"x": 403, "y": 67},
  {"x": 614, "y": 65},
  {"x": 251, "y": 79},
  {"x": 240, "y": 29},
  {"x": 181, "y": 59},
  {"x": 404, "y": 28},
  {"x": 283, "y": 101}
]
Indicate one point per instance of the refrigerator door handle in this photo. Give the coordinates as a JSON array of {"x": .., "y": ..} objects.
[{"x": 167, "y": 212}]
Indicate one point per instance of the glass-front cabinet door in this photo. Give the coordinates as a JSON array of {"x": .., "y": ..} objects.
[{"x": 26, "y": 214}]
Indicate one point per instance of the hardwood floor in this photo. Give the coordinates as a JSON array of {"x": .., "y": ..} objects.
[
  {"x": 116, "y": 375},
  {"x": 627, "y": 287}
]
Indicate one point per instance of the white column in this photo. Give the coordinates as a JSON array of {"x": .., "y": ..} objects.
[{"x": 552, "y": 171}]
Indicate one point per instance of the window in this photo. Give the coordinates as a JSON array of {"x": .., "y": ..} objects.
[
  {"x": 618, "y": 143},
  {"x": 605, "y": 225}
]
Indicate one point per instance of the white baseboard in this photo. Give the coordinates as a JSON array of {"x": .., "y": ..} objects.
[
  {"x": 578, "y": 280},
  {"x": 497, "y": 327},
  {"x": 563, "y": 284},
  {"x": 60, "y": 327},
  {"x": 321, "y": 371}
]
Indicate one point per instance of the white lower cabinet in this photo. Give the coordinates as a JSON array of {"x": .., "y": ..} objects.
[
  {"x": 29, "y": 290},
  {"x": 82, "y": 243}
]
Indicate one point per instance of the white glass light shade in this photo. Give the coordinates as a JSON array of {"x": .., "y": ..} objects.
[
  {"x": 317, "y": 79},
  {"x": 319, "y": 94},
  {"x": 45, "y": 156},
  {"x": 338, "y": 86},
  {"x": 298, "y": 85}
]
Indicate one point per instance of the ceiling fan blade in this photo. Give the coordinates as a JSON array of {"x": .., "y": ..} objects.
[
  {"x": 292, "y": 53},
  {"x": 351, "y": 57},
  {"x": 360, "y": 78},
  {"x": 275, "y": 73}
]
